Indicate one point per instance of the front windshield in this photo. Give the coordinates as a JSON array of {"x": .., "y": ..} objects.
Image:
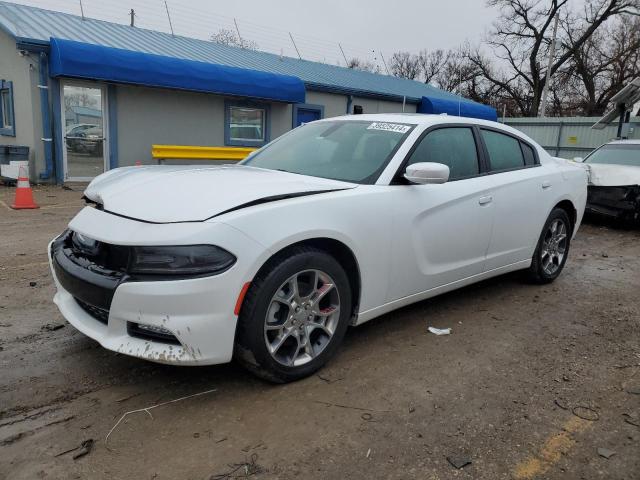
[
  {"x": 352, "y": 151},
  {"x": 616, "y": 154}
]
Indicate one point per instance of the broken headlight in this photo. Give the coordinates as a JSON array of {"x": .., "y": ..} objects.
[{"x": 180, "y": 260}]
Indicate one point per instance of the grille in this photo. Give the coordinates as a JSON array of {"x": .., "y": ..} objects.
[{"x": 99, "y": 314}]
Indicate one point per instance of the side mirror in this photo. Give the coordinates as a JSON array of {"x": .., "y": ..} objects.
[
  {"x": 427, "y": 172},
  {"x": 578, "y": 159}
]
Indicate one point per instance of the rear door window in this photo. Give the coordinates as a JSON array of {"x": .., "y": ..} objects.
[
  {"x": 529, "y": 155},
  {"x": 452, "y": 146},
  {"x": 504, "y": 151}
]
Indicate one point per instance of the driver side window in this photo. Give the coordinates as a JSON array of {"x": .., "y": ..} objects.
[{"x": 452, "y": 146}]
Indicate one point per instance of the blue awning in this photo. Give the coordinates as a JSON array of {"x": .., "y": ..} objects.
[
  {"x": 95, "y": 62},
  {"x": 458, "y": 108}
]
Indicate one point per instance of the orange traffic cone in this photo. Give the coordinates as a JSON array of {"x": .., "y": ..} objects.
[{"x": 24, "y": 194}]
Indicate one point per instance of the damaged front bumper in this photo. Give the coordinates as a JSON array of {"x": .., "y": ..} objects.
[
  {"x": 619, "y": 202},
  {"x": 188, "y": 321}
]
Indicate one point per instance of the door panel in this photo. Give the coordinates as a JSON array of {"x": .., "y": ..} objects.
[
  {"x": 84, "y": 131},
  {"x": 522, "y": 198},
  {"x": 522, "y": 201},
  {"x": 441, "y": 234}
]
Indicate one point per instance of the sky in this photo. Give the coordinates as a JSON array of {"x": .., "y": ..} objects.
[{"x": 368, "y": 29}]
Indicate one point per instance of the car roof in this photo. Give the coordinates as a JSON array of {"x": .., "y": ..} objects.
[
  {"x": 428, "y": 119},
  {"x": 412, "y": 118},
  {"x": 624, "y": 142}
]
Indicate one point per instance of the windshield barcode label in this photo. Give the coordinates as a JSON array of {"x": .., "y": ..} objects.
[{"x": 389, "y": 127}]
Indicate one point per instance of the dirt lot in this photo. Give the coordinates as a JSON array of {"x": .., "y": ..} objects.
[{"x": 530, "y": 384}]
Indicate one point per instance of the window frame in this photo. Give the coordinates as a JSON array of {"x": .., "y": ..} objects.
[
  {"x": 398, "y": 178},
  {"x": 7, "y": 131},
  {"x": 536, "y": 157},
  {"x": 228, "y": 105}
]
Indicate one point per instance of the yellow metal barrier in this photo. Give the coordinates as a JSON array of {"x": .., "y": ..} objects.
[{"x": 182, "y": 152}]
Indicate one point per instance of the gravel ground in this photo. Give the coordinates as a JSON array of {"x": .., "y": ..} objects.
[{"x": 531, "y": 383}]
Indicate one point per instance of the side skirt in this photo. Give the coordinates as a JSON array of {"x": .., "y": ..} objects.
[{"x": 417, "y": 297}]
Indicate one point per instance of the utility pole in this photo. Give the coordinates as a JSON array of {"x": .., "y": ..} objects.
[
  {"x": 81, "y": 10},
  {"x": 132, "y": 13},
  {"x": 552, "y": 51},
  {"x": 169, "y": 17},
  {"x": 295, "y": 46}
]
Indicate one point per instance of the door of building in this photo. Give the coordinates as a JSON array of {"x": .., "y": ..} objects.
[{"x": 84, "y": 130}]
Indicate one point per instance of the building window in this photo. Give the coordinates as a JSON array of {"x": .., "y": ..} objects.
[
  {"x": 7, "y": 123},
  {"x": 246, "y": 124}
]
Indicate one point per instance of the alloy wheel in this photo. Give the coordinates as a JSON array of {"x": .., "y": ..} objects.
[
  {"x": 302, "y": 317},
  {"x": 554, "y": 246}
]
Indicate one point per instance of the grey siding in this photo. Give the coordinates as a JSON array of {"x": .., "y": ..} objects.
[
  {"x": 569, "y": 137},
  {"x": 148, "y": 116},
  {"x": 281, "y": 119},
  {"x": 334, "y": 105},
  {"x": 371, "y": 105},
  {"x": 23, "y": 72}
]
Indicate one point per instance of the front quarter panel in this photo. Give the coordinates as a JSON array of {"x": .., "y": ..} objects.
[{"x": 359, "y": 218}]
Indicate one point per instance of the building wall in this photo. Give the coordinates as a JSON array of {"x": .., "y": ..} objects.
[
  {"x": 148, "y": 116},
  {"x": 23, "y": 72},
  {"x": 281, "y": 119},
  {"x": 334, "y": 105},
  {"x": 371, "y": 105}
]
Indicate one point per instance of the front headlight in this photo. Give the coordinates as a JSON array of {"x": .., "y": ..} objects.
[{"x": 180, "y": 260}]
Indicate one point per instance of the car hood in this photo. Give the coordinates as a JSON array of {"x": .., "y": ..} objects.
[
  {"x": 169, "y": 194},
  {"x": 606, "y": 175}
]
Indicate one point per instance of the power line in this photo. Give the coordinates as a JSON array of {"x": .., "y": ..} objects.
[
  {"x": 154, "y": 14},
  {"x": 169, "y": 17}
]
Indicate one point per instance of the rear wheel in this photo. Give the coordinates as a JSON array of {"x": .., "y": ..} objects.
[
  {"x": 552, "y": 249},
  {"x": 294, "y": 315}
]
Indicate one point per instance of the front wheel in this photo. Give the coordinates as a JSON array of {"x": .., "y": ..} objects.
[
  {"x": 552, "y": 249},
  {"x": 294, "y": 315}
]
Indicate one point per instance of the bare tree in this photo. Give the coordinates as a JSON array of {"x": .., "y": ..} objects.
[
  {"x": 405, "y": 65},
  {"x": 608, "y": 60},
  {"x": 364, "y": 65},
  {"x": 432, "y": 63},
  {"x": 79, "y": 98},
  {"x": 226, "y": 36},
  {"x": 521, "y": 39}
]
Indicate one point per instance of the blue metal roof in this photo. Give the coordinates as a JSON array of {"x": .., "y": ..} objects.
[{"x": 35, "y": 25}]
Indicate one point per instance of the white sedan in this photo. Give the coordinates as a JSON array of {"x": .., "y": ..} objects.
[{"x": 335, "y": 223}]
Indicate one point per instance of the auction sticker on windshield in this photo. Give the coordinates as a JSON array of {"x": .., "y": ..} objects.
[{"x": 389, "y": 127}]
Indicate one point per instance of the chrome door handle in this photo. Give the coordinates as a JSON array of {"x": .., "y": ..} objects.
[
  {"x": 546, "y": 184},
  {"x": 485, "y": 200}
]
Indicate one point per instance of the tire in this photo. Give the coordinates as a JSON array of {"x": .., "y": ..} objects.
[
  {"x": 271, "y": 313},
  {"x": 549, "y": 258}
]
